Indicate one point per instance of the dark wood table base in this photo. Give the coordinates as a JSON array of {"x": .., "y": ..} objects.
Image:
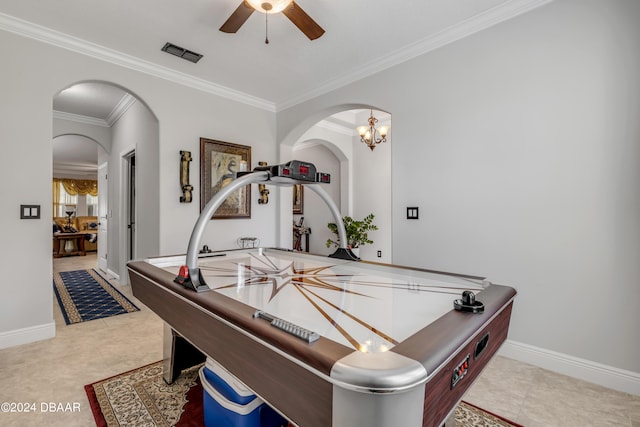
[{"x": 78, "y": 243}]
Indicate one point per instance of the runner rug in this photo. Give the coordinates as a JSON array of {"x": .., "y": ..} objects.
[
  {"x": 85, "y": 295},
  {"x": 141, "y": 397}
]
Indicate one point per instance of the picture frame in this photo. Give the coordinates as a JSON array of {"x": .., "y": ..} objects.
[
  {"x": 218, "y": 162},
  {"x": 298, "y": 199}
]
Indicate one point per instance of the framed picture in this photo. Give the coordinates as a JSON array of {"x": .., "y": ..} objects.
[
  {"x": 218, "y": 162},
  {"x": 298, "y": 198}
]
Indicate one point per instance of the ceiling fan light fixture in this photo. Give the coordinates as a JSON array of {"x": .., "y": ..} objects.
[
  {"x": 269, "y": 6},
  {"x": 288, "y": 8}
]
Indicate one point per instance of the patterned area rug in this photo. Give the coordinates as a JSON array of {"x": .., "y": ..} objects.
[
  {"x": 141, "y": 398},
  {"x": 468, "y": 415},
  {"x": 85, "y": 295}
]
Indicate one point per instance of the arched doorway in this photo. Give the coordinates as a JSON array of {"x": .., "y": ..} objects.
[
  {"x": 365, "y": 175},
  {"x": 328, "y": 159},
  {"x": 122, "y": 124},
  {"x": 75, "y": 178}
]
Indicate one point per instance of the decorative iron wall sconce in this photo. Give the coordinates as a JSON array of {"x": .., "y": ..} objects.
[
  {"x": 187, "y": 189},
  {"x": 262, "y": 188}
]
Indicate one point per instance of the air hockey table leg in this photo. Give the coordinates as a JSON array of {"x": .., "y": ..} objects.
[
  {"x": 404, "y": 408},
  {"x": 178, "y": 354}
]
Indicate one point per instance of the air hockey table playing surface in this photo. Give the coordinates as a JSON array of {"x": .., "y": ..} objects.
[{"x": 391, "y": 348}]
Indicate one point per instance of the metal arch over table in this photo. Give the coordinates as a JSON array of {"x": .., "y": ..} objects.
[{"x": 259, "y": 175}]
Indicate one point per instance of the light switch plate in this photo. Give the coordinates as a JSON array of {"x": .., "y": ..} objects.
[
  {"x": 29, "y": 211},
  {"x": 412, "y": 212}
]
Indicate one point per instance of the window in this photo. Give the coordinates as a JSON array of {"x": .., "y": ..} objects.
[
  {"x": 63, "y": 199},
  {"x": 79, "y": 194},
  {"x": 92, "y": 205}
]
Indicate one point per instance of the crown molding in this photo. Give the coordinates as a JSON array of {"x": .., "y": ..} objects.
[
  {"x": 74, "y": 44},
  {"x": 127, "y": 101},
  {"x": 335, "y": 127},
  {"x": 449, "y": 35},
  {"x": 75, "y": 170},
  {"x": 71, "y": 173},
  {"x": 80, "y": 119}
]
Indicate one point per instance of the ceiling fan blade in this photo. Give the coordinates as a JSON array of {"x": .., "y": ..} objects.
[
  {"x": 303, "y": 21},
  {"x": 237, "y": 18}
]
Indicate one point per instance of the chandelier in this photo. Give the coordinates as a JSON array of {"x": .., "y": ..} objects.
[{"x": 369, "y": 134}]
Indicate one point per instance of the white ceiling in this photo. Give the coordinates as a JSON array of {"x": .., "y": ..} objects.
[
  {"x": 362, "y": 37},
  {"x": 96, "y": 100}
]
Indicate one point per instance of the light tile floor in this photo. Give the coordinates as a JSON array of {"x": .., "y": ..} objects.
[{"x": 56, "y": 370}]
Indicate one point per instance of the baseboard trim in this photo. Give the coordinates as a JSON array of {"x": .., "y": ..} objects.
[
  {"x": 593, "y": 372},
  {"x": 113, "y": 274},
  {"x": 27, "y": 335}
]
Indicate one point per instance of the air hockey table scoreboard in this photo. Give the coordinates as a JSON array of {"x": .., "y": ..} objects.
[{"x": 331, "y": 341}]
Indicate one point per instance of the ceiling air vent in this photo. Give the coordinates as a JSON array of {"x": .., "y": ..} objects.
[{"x": 181, "y": 52}]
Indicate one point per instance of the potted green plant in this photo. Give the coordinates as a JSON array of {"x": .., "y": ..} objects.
[{"x": 357, "y": 232}]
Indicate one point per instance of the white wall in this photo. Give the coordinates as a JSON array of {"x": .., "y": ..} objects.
[
  {"x": 136, "y": 129},
  {"x": 25, "y": 171},
  {"x": 372, "y": 179},
  {"x": 520, "y": 145},
  {"x": 33, "y": 72},
  {"x": 201, "y": 115}
]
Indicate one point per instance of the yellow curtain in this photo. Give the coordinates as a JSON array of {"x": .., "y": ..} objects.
[
  {"x": 73, "y": 187},
  {"x": 55, "y": 191},
  {"x": 79, "y": 186}
]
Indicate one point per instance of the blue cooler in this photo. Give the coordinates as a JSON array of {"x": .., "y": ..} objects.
[{"x": 230, "y": 403}]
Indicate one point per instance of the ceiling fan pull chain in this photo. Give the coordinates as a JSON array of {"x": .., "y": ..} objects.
[{"x": 266, "y": 28}]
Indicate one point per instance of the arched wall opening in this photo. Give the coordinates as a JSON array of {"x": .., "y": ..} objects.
[
  {"x": 313, "y": 213},
  {"x": 75, "y": 157},
  {"x": 365, "y": 175},
  {"x": 120, "y": 122}
]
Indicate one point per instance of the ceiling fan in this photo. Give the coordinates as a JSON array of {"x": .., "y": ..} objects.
[{"x": 288, "y": 8}]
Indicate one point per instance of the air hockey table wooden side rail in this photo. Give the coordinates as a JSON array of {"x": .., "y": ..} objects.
[{"x": 295, "y": 377}]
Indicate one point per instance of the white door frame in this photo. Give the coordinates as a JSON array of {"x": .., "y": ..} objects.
[
  {"x": 128, "y": 213},
  {"x": 103, "y": 219},
  {"x": 130, "y": 205}
]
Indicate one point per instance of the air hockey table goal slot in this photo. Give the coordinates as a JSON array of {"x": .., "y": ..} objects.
[{"x": 481, "y": 345}]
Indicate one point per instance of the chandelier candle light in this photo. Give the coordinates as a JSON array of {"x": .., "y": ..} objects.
[{"x": 369, "y": 134}]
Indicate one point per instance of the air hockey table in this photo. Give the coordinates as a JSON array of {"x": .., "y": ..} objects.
[{"x": 330, "y": 341}]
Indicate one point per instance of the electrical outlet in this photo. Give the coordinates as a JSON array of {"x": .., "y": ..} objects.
[{"x": 379, "y": 254}]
